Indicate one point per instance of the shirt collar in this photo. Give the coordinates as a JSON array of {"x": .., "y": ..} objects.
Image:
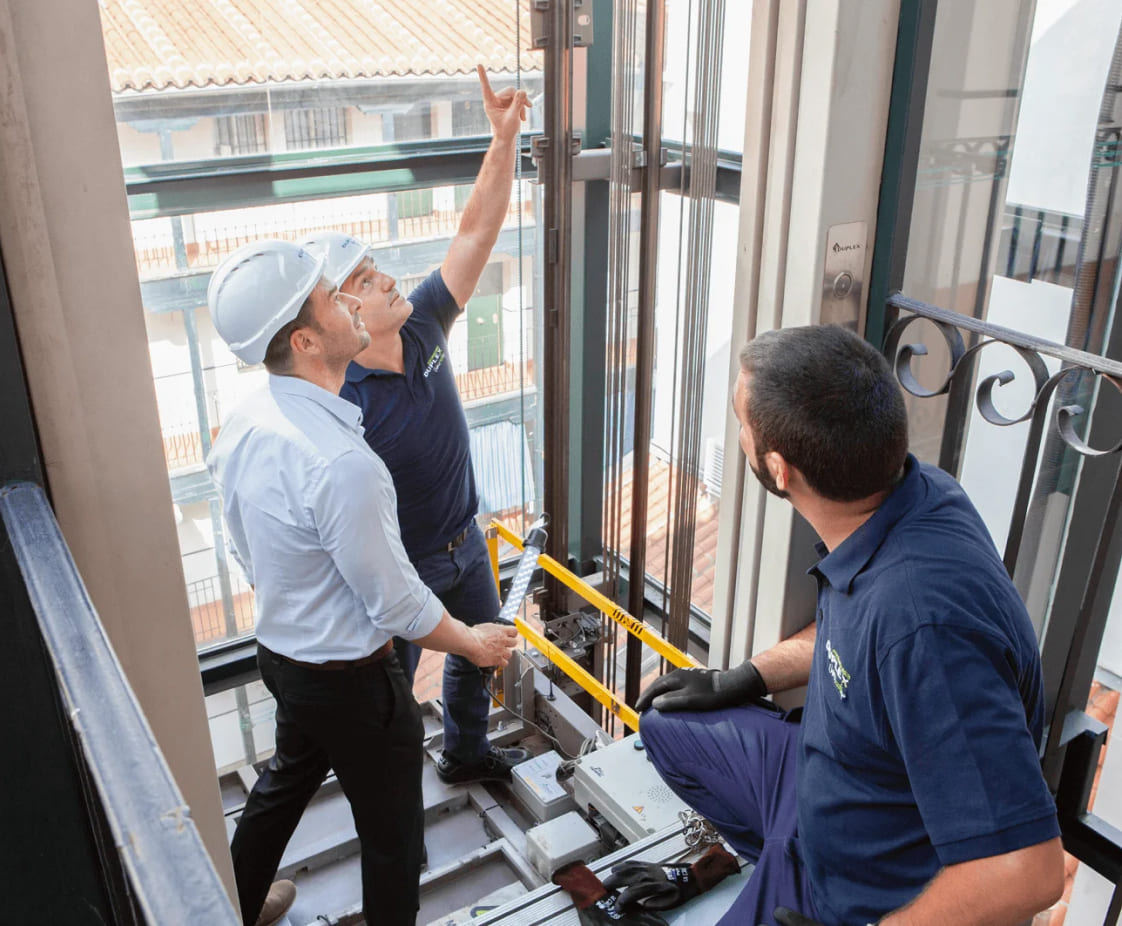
[
  {"x": 840, "y": 566},
  {"x": 347, "y": 412},
  {"x": 356, "y": 372}
]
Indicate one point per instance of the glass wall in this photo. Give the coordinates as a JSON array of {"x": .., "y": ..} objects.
[
  {"x": 194, "y": 83},
  {"x": 1014, "y": 222},
  {"x": 695, "y": 261},
  {"x": 198, "y": 381},
  {"x": 243, "y": 84}
]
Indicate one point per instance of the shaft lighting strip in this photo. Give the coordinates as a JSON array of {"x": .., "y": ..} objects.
[{"x": 635, "y": 627}]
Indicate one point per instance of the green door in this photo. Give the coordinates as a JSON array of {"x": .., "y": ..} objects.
[{"x": 484, "y": 332}]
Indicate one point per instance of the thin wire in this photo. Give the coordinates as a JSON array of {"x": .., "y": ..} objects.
[
  {"x": 702, "y": 188},
  {"x": 521, "y": 259},
  {"x": 619, "y": 241},
  {"x": 549, "y": 736},
  {"x": 673, "y": 482}
]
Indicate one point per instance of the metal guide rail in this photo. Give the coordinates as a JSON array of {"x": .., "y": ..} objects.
[{"x": 597, "y": 599}]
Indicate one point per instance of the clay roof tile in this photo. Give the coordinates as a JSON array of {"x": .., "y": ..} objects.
[{"x": 158, "y": 44}]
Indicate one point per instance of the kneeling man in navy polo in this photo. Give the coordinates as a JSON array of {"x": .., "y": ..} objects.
[{"x": 908, "y": 789}]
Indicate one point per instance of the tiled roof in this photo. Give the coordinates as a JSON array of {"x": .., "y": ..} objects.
[{"x": 165, "y": 44}]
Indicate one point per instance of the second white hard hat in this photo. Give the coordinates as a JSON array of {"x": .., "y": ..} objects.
[
  {"x": 258, "y": 290},
  {"x": 341, "y": 251}
]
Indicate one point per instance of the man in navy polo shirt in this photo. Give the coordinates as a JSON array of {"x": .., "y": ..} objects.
[
  {"x": 414, "y": 421},
  {"x": 911, "y": 791}
]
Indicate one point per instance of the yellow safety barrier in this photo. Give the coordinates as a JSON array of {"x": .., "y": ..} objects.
[
  {"x": 578, "y": 674},
  {"x": 635, "y": 627}
]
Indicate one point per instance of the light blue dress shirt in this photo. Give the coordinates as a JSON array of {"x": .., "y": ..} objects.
[{"x": 312, "y": 516}]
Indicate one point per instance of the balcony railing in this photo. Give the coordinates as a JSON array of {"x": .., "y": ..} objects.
[
  {"x": 156, "y": 253},
  {"x": 491, "y": 381},
  {"x": 213, "y": 618}
]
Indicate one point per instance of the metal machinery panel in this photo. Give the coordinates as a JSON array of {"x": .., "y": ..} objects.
[
  {"x": 535, "y": 784},
  {"x": 558, "y": 842},
  {"x": 620, "y": 782}
]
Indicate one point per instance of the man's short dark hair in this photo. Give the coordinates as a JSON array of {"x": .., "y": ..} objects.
[
  {"x": 828, "y": 403},
  {"x": 278, "y": 355}
]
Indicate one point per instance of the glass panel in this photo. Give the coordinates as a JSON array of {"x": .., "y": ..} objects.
[
  {"x": 715, "y": 404},
  {"x": 678, "y": 88},
  {"x": 269, "y": 80},
  {"x": 198, "y": 380},
  {"x": 1015, "y": 221},
  {"x": 241, "y": 726},
  {"x": 996, "y": 230}
]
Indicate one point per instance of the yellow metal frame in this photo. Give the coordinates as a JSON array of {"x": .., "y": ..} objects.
[{"x": 633, "y": 626}]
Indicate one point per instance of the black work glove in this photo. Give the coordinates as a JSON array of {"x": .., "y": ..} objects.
[
  {"x": 785, "y": 917},
  {"x": 703, "y": 689},
  {"x": 596, "y": 905},
  {"x": 648, "y": 886}
]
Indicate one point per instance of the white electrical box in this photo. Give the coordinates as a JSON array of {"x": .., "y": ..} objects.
[
  {"x": 535, "y": 783},
  {"x": 620, "y": 782},
  {"x": 558, "y": 842}
]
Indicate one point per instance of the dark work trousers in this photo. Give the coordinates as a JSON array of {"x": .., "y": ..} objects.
[
  {"x": 464, "y": 582},
  {"x": 365, "y": 724},
  {"x": 736, "y": 767}
]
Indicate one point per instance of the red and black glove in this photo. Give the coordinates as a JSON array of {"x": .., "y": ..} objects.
[
  {"x": 647, "y": 886},
  {"x": 596, "y": 905}
]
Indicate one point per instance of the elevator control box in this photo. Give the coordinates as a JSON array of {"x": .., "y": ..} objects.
[
  {"x": 535, "y": 783},
  {"x": 558, "y": 842},
  {"x": 620, "y": 783}
]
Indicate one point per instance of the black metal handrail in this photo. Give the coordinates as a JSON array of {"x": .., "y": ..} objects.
[
  {"x": 1074, "y": 742},
  {"x": 171, "y": 876}
]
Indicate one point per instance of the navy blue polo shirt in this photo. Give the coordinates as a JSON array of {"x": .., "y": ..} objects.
[
  {"x": 920, "y": 737},
  {"x": 415, "y": 422}
]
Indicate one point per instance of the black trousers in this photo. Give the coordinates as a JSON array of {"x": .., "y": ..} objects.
[{"x": 365, "y": 724}]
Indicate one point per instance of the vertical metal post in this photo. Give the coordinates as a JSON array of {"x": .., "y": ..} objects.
[
  {"x": 906, "y": 107},
  {"x": 388, "y": 136},
  {"x": 644, "y": 360},
  {"x": 586, "y": 457},
  {"x": 557, "y": 216}
]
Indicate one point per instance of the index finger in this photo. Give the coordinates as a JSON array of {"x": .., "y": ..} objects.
[{"x": 488, "y": 93}]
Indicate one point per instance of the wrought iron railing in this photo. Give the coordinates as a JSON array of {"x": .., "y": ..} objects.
[
  {"x": 171, "y": 877},
  {"x": 214, "y": 618},
  {"x": 1039, "y": 244},
  {"x": 1061, "y": 416}
]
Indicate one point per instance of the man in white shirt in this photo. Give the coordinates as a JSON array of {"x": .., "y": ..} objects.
[{"x": 312, "y": 516}]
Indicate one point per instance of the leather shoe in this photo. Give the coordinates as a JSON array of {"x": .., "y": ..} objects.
[
  {"x": 494, "y": 766},
  {"x": 277, "y": 904}
]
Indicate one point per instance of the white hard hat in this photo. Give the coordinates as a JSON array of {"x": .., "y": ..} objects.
[
  {"x": 258, "y": 290},
  {"x": 343, "y": 253}
]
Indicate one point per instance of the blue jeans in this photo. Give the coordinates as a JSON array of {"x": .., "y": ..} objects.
[
  {"x": 736, "y": 767},
  {"x": 465, "y": 584}
]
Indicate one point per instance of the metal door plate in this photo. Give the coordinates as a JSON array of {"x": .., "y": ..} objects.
[{"x": 843, "y": 280}]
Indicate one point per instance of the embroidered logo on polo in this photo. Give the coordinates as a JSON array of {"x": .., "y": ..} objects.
[
  {"x": 436, "y": 359},
  {"x": 838, "y": 672}
]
